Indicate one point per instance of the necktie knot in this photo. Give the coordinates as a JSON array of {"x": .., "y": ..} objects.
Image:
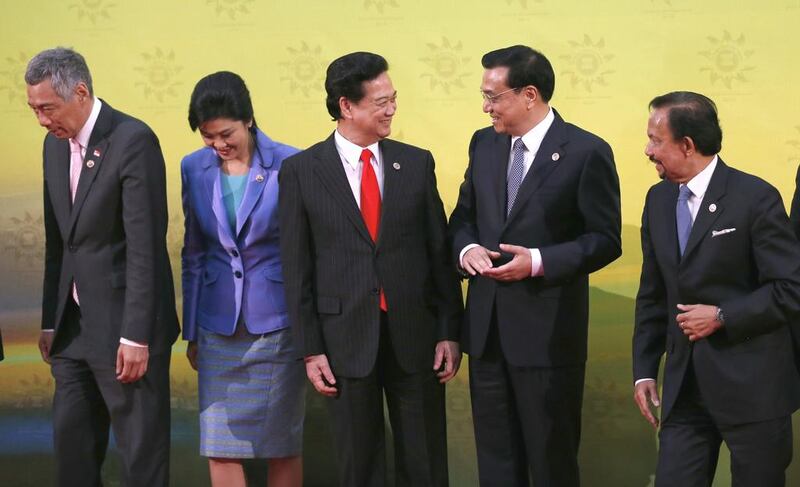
[
  {"x": 366, "y": 156},
  {"x": 74, "y": 146},
  {"x": 684, "y": 193},
  {"x": 519, "y": 145}
]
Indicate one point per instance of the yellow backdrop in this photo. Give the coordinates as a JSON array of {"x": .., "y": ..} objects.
[{"x": 610, "y": 59}]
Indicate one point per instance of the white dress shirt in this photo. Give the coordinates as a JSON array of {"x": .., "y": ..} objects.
[
  {"x": 350, "y": 154},
  {"x": 533, "y": 140},
  {"x": 698, "y": 186}
]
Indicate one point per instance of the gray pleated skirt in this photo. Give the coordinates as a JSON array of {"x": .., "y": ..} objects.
[{"x": 252, "y": 395}]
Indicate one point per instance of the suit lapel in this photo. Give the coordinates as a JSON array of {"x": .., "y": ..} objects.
[
  {"x": 331, "y": 173},
  {"x": 499, "y": 170},
  {"x": 393, "y": 184},
  {"x": 543, "y": 163},
  {"x": 664, "y": 228},
  {"x": 256, "y": 180},
  {"x": 59, "y": 190},
  {"x": 213, "y": 185},
  {"x": 93, "y": 159},
  {"x": 710, "y": 209}
]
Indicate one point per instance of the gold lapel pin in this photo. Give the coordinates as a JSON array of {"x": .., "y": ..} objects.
[
  {"x": 712, "y": 207},
  {"x": 90, "y": 163},
  {"x": 260, "y": 178},
  {"x": 555, "y": 156},
  {"x": 396, "y": 166}
]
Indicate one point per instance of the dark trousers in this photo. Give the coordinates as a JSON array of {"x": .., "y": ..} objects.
[
  {"x": 690, "y": 441},
  {"x": 89, "y": 399},
  {"x": 527, "y": 420},
  {"x": 416, "y": 414}
]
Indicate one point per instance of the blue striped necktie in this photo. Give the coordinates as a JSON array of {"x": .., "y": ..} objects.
[
  {"x": 683, "y": 216},
  {"x": 516, "y": 174}
]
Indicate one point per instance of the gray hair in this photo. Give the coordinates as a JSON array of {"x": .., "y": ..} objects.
[{"x": 64, "y": 68}]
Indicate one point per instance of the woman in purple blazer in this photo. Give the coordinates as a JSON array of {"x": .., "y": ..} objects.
[{"x": 250, "y": 382}]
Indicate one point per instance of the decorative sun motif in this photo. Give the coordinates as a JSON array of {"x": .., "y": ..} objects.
[
  {"x": 12, "y": 79},
  {"x": 587, "y": 63},
  {"x": 449, "y": 66},
  {"x": 232, "y": 8},
  {"x": 304, "y": 69},
  {"x": 92, "y": 10},
  {"x": 380, "y": 4},
  {"x": 24, "y": 239},
  {"x": 160, "y": 74},
  {"x": 728, "y": 58},
  {"x": 795, "y": 145}
]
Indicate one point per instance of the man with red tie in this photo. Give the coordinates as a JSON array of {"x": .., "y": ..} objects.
[{"x": 372, "y": 299}]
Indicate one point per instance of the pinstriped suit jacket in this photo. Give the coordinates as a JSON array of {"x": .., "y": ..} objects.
[{"x": 333, "y": 270}]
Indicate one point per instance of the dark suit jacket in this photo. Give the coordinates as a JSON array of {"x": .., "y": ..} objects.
[
  {"x": 112, "y": 240},
  {"x": 333, "y": 270},
  {"x": 568, "y": 208},
  {"x": 745, "y": 370}
]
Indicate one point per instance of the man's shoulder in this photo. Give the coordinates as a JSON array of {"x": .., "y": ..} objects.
[
  {"x": 738, "y": 179},
  {"x": 583, "y": 136},
  {"x": 407, "y": 150}
]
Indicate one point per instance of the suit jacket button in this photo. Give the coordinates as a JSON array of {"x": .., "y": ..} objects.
[
  {"x": 234, "y": 253},
  {"x": 376, "y": 291},
  {"x": 238, "y": 274},
  {"x": 73, "y": 248}
]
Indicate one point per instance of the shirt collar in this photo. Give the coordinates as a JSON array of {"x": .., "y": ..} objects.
[
  {"x": 533, "y": 137},
  {"x": 699, "y": 184},
  {"x": 351, "y": 153},
  {"x": 86, "y": 132}
]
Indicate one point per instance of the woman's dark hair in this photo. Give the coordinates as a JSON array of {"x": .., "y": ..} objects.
[
  {"x": 345, "y": 76},
  {"x": 220, "y": 95}
]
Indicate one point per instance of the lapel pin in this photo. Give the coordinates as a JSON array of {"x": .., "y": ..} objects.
[
  {"x": 396, "y": 166},
  {"x": 90, "y": 163},
  {"x": 96, "y": 153},
  {"x": 712, "y": 207},
  {"x": 260, "y": 178},
  {"x": 555, "y": 156}
]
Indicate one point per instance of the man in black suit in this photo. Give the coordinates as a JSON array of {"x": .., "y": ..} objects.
[
  {"x": 537, "y": 212},
  {"x": 371, "y": 294},
  {"x": 108, "y": 311},
  {"x": 720, "y": 282}
]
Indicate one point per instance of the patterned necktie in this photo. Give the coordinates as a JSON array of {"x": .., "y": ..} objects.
[
  {"x": 515, "y": 175},
  {"x": 683, "y": 216},
  {"x": 75, "y": 163},
  {"x": 371, "y": 202}
]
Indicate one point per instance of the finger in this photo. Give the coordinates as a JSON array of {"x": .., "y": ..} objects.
[
  {"x": 493, "y": 254},
  {"x": 513, "y": 249},
  {"x": 120, "y": 361},
  {"x": 327, "y": 373},
  {"x": 653, "y": 391},
  {"x": 641, "y": 401},
  {"x": 438, "y": 356},
  {"x": 468, "y": 267}
]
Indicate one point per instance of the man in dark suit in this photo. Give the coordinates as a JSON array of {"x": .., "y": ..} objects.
[
  {"x": 371, "y": 295},
  {"x": 537, "y": 212},
  {"x": 720, "y": 282},
  {"x": 108, "y": 311}
]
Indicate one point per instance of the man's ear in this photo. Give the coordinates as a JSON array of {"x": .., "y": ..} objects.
[{"x": 345, "y": 107}]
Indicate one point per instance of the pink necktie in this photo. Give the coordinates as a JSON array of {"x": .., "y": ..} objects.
[
  {"x": 371, "y": 203},
  {"x": 75, "y": 162}
]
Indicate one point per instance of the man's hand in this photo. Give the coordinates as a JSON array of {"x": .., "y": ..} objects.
[
  {"x": 698, "y": 320},
  {"x": 644, "y": 390},
  {"x": 517, "y": 269},
  {"x": 131, "y": 363},
  {"x": 478, "y": 259},
  {"x": 448, "y": 354},
  {"x": 191, "y": 354},
  {"x": 45, "y": 344},
  {"x": 319, "y": 371}
]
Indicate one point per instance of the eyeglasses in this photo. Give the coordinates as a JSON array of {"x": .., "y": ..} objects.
[
  {"x": 384, "y": 101},
  {"x": 492, "y": 99}
]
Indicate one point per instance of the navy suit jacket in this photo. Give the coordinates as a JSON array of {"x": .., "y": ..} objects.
[
  {"x": 568, "y": 208},
  {"x": 743, "y": 257},
  {"x": 225, "y": 273}
]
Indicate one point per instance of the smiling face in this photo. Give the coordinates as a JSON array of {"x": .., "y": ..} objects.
[
  {"x": 670, "y": 156},
  {"x": 62, "y": 118},
  {"x": 508, "y": 108},
  {"x": 370, "y": 119},
  {"x": 229, "y": 138}
]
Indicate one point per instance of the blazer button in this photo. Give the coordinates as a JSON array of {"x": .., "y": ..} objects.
[
  {"x": 234, "y": 253},
  {"x": 73, "y": 248},
  {"x": 238, "y": 274}
]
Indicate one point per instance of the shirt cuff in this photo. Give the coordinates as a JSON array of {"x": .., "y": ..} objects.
[
  {"x": 464, "y": 251},
  {"x": 537, "y": 267},
  {"x": 125, "y": 341},
  {"x": 642, "y": 380}
]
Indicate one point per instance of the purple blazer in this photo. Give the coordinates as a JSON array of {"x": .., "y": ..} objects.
[{"x": 225, "y": 274}]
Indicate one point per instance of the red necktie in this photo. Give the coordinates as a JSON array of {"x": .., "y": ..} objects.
[{"x": 371, "y": 202}]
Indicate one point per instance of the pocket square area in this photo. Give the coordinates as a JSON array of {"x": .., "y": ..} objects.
[{"x": 717, "y": 233}]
